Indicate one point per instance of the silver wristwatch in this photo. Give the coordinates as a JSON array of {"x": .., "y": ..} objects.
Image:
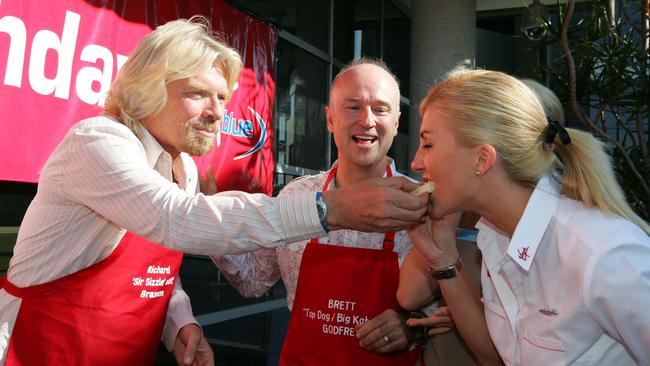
[{"x": 321, "y": 207}]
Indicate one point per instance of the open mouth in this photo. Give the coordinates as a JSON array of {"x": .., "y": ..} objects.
[{"x": 364, "y": 140}]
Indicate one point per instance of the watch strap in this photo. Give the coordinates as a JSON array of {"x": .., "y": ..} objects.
[{"x": 447, "y": 272}]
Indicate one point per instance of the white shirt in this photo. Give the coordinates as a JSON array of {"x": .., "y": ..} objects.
[
  {"x": 572, "y": 286},
  {"x": 254, "y": 273},
  {"x": 101, "y": 179}
]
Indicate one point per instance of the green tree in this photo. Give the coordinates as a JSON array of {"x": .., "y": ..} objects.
[{"x": 604, "y": 66}]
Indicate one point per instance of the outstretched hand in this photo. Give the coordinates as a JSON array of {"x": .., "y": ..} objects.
[{"x": 379, "y": 205}]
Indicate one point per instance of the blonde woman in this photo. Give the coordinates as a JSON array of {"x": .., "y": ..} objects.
[{"x": 566, "y": 262}]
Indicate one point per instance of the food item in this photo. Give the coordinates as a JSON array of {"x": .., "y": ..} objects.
[{"x": 427, "y": 187}]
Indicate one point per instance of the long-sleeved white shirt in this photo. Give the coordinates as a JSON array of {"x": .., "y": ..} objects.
[
  {"x": 101, "y": 180},
  {"x": 252, "y": 274},
  {"x": 572, "y": 285}
]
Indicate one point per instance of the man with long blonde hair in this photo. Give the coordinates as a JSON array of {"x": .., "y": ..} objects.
[{"x": 95, "y": 268}]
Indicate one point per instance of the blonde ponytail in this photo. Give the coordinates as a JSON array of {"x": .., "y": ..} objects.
[{"x": 589, "y": 177}]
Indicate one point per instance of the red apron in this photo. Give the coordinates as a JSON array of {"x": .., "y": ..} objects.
[
  {"x": 338, "y": 288},
  {"x": 111, "y": 313}
]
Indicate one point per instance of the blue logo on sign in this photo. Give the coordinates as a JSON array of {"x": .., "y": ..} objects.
[{"x": 244, "y": 128}]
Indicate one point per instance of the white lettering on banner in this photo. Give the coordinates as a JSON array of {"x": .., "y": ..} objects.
[
  {"x": 44, "y": 42},
  {"x": 15, "y": 28},
  {"x": 338, "y": 323},
  {"x": 86, "y": 76}
]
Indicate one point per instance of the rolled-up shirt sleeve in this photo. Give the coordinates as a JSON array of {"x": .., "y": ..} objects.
[
  {"x": 252, "y": 274},
  {"x": 179, "y": 314}
]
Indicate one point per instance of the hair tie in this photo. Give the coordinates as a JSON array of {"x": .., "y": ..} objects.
[{"x": 553, "y": 129}]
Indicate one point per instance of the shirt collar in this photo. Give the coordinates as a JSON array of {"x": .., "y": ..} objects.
[
  {"x": 393, "y": 169},
  {"x": 152, "y": 148},
  {"x": 533, "y": 223},
  {"x": 332, "y": 184},
  {"x": 529, "y": 231},
  {"x": 161, "y": 161},
  {"x": 491, "y": 236}
]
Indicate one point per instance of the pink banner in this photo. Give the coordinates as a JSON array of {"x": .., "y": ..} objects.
[{"x": 57, "y": 59}]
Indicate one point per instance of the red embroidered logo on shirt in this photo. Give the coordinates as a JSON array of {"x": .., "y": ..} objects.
[{"x": 523, "y": 254}]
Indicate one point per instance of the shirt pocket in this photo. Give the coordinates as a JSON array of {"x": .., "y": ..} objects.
[{"x": 537, "y": 350}]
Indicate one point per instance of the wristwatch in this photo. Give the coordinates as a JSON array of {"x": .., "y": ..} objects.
[
  {"x": 418, "y": 335},
  {"x": 321, "y": 207},
  {"x": 448, "y": 272}
]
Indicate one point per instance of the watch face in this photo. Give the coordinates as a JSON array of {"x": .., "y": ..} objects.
[
  {"x": 419, "y": 336},
  {"x": 320, "y": 207}
]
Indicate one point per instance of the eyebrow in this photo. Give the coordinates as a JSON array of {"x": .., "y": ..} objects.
[
  {"x": 196, "y": 87},
  {"x": 376, "y": 101},
  {"x": 203, "y": 89}
]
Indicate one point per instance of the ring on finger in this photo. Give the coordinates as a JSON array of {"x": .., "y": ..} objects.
[{"x": 386, "y": 339}]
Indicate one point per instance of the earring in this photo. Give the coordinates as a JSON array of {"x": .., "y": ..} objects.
[{"x": 477, "y": 173}]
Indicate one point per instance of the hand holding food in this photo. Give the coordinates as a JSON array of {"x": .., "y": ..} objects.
[{"x": 426, "y": 187}]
